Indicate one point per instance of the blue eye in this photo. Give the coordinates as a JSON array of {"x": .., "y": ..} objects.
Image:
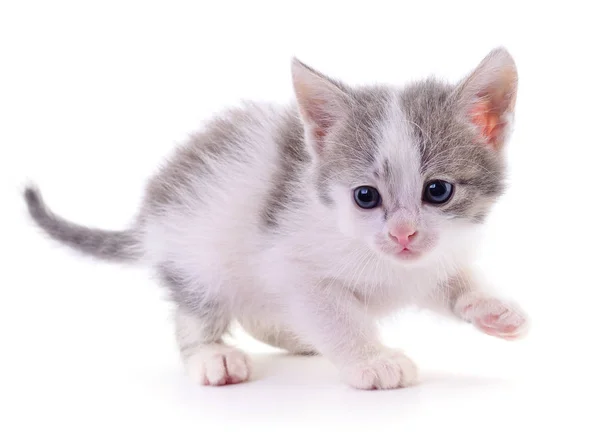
[
  {"x": 437, "y": 192},
  {"x": 367, "y": 197}
]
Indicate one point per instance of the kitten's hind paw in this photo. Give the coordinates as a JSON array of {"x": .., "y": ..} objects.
[{"x": 218, "y": 365}]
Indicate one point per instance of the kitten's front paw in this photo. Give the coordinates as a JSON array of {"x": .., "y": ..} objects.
[
  {"x": 496, "y": 317},
  {"x": 388, "y": 370},
  {"x": 217, "y": 365}
]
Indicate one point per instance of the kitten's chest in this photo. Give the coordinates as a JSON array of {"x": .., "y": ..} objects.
[{"x": 382, "y": 286}]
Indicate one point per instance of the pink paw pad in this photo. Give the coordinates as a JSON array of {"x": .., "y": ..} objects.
[{"x": 497, "y": 318}]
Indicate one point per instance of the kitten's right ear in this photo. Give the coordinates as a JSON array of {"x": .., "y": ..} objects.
[
  {"x": 322, "y": 103},
  {"x": 487, "y": 97}
]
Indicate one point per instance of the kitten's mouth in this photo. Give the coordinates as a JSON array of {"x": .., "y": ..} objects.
[
  {"x": 398, "y": 252},
  {"x": 406, "y": 253}
]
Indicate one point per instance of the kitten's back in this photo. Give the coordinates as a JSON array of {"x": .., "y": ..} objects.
[{"x": 219, "y": 190}]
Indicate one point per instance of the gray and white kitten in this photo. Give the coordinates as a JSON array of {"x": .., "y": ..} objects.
[{"x": 308, "y": 223}]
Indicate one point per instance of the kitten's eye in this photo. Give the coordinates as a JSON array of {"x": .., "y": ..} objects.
[
  {"x": 367, "y": 197},
  {"x": 437, "y": 192}
]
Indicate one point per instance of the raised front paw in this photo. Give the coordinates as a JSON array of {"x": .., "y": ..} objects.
[
  {"x": 388, "y": 370},
  {"x": 496, "y": 317}
]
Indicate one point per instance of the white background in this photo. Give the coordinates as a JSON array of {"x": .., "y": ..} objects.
[{"x": 92, "y": 97}]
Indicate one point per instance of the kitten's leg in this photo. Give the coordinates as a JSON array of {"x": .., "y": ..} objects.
[
  {"x": 338, "y": 326},
  {"x": 201, "y": 320},
  {"x": 464, "y": 297},
  {"x": 208, "y": 361}
]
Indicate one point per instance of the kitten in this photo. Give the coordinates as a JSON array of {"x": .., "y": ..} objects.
[{"x": 308, "y": 223}]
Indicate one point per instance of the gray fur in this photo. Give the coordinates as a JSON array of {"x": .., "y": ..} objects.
[
  {"x": 446, "y": 142},
  {"x": 220, "y": 138},
  {"x": 212, "y": 319},
  {"x": 352, "y": 149},
  {"x": 109, "y": 245},
  {"x": 449, "y": 149},
  {"x": 285, "y": 191},
  {"x": 445, "y": 139},
  {"x": 193, "y": 299}
]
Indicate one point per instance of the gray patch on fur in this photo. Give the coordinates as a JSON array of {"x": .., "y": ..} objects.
[
  {"x": 352, "y": 148},
  {"x": 108, "y": 245},
  {"x": 213, "y": 318},
  {"x": 193, "y": 299},
  {"x": 349, "y": 151},
  {"x": 386, "y": 170},
  {"x": 293, "y": 157},
  {"x": 221, "y": 138},
  {"x": 449, "y": 149}
]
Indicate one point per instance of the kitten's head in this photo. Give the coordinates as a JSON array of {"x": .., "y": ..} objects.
[{"x": 411, "y": 172}]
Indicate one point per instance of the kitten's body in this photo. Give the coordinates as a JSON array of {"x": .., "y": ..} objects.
[{"x": 249, "y": 221}]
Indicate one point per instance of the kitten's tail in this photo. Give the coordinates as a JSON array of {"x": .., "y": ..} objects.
[{"x": 122, "y": 246}]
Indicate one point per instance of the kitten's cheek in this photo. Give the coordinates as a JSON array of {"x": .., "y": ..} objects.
[
  {"x": 434, "y": 241},
  {"x": 429, "y": 242},
  {"x": 345, "y": 226},
  {"x": 357, "y": 226}
]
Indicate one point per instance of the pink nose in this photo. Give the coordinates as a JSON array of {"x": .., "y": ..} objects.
[{"x": 403, "y": 235}]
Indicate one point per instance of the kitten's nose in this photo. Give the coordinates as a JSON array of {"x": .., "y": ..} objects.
[{"x": 403, "y": 234}]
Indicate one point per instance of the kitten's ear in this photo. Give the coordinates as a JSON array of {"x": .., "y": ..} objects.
[
  {"x": 322, "y": 102},
  {"x": 487, "y": 97}
]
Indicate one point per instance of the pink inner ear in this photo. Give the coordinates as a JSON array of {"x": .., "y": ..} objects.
[
  {"x": 319, "y": 133},
  {"x": 488, "y": 120},
  {"x": 322, "y": 120},
  {"x": 318, "y": 113}
]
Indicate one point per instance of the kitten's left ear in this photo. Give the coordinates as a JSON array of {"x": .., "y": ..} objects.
[
  {"x": 322, "y": 103},
  {"x": 488, "y": 95}
]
